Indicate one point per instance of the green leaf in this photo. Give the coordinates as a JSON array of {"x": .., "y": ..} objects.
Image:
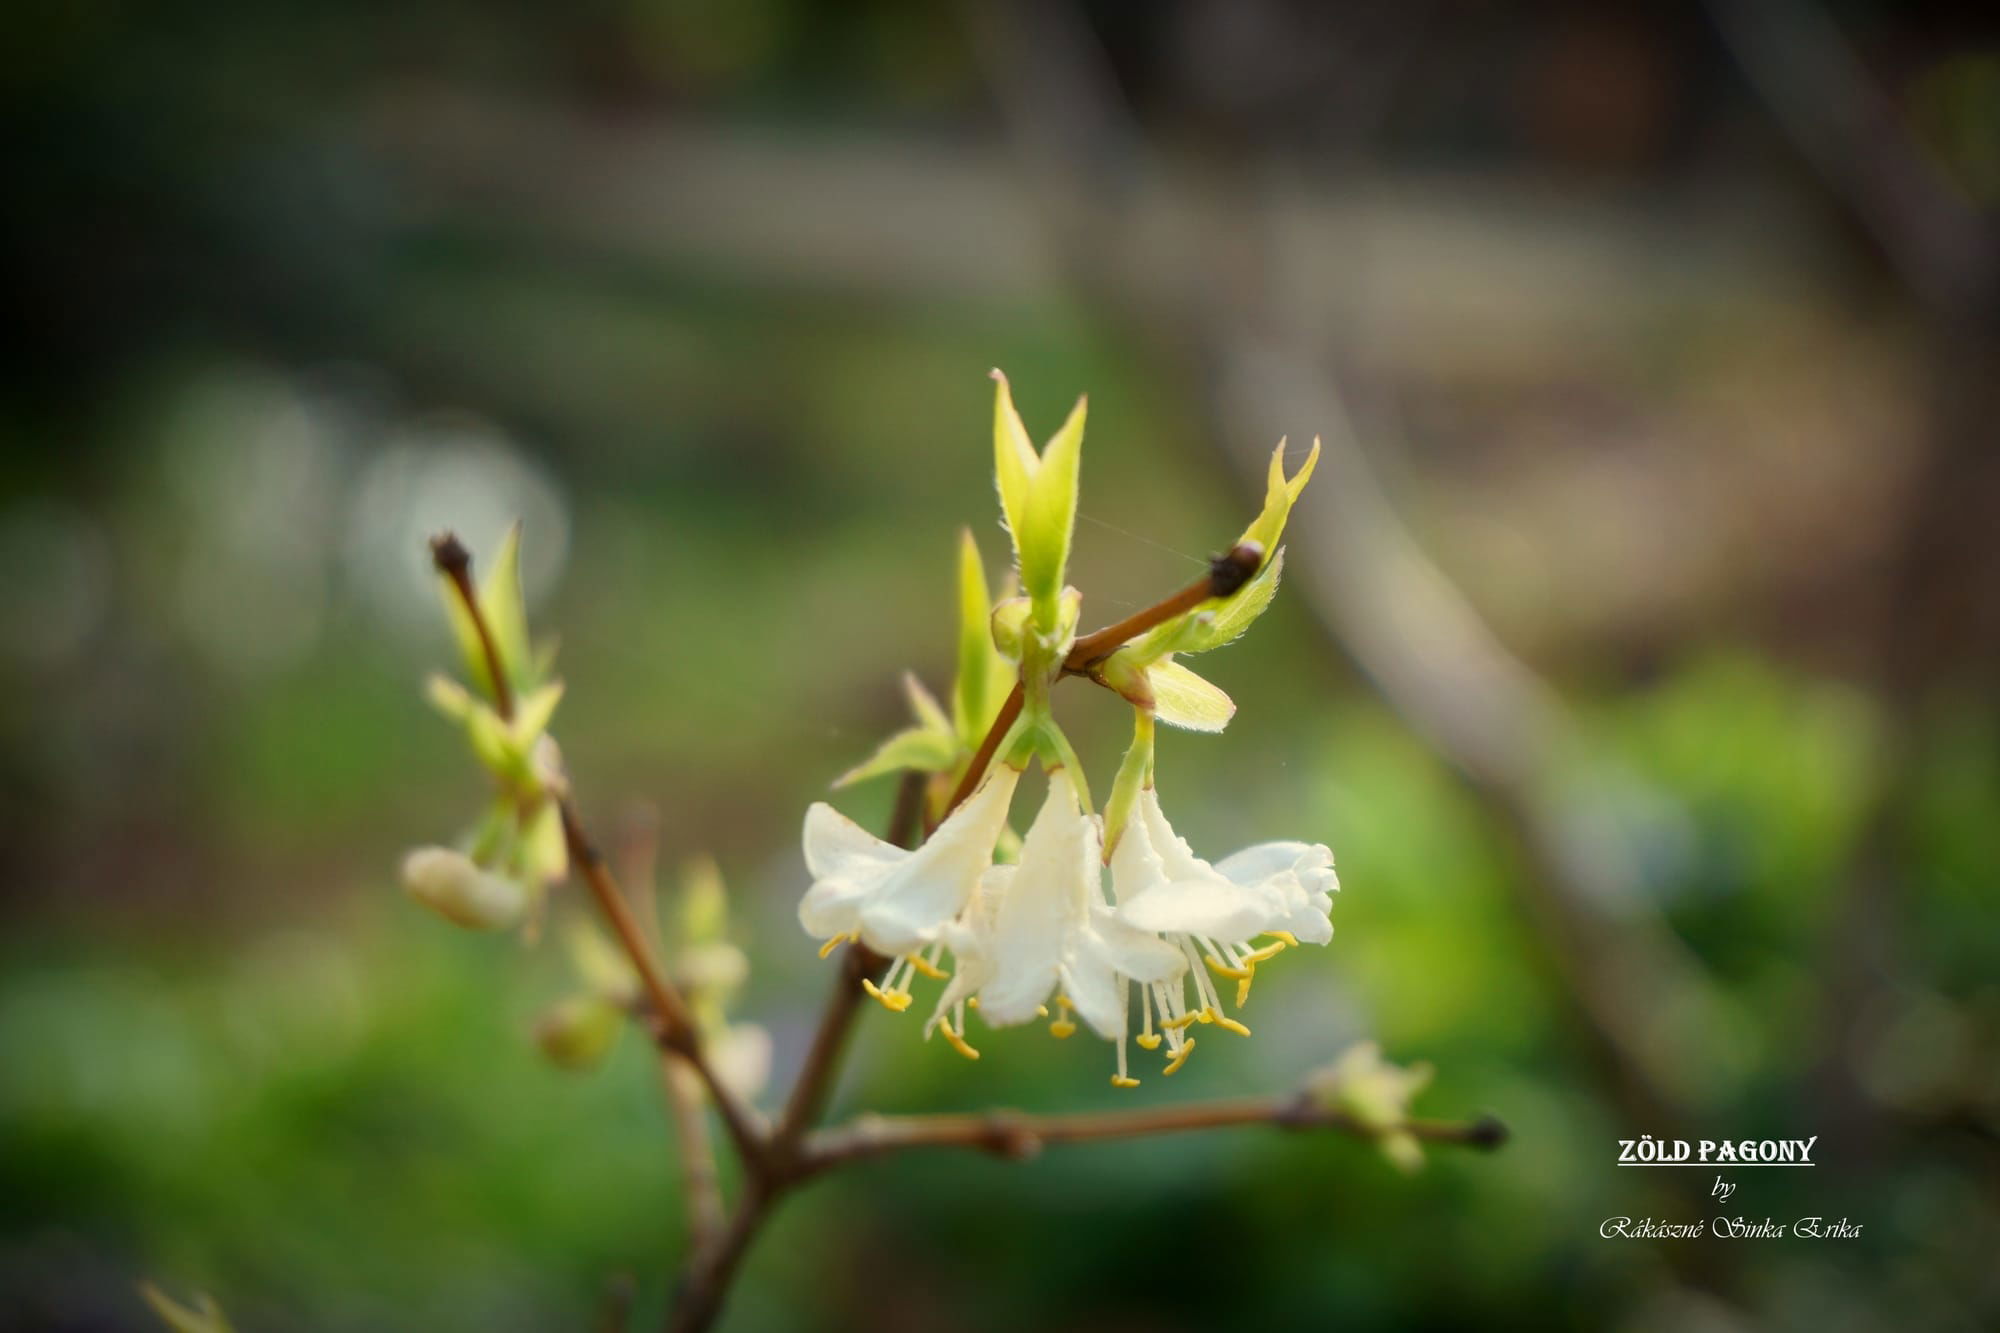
[
  {"x": 930, "y": 713},
  {"x": 532, "y": 713},
  {"x": 1044, "y": 547},
  {"x": 1014, "y": 460},
  {"x": 600, "y": 965},
  {"x": 204, "y": 1316},
  {"x": 543, "y": 851},
  {"x": 925, "y": 749},
  {"x": 449, "y": 697},
  {"x": 973, "y": 702},
  {"x": 1038, "y": 497},
  {"x": 1215, "y": 622},
  {"x": 493, "y": 743},
  {"x": 1183, "y": 699},
  {"x": 1279, "y": 496},
  {"x": 506, "y": 611}
]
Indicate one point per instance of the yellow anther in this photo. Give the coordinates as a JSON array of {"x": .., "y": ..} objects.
[
  {"x": 895, "y": 1001},
  {"x": 1061, "y": 1028},
  {"x": 1207, "y": 1015},
  {"x": 1041, "y": 1011},
  {"x": 1148, "y": 1040},
  {"x": 1121, "y": 1081},
  {"x": 1231, "y": 1025},
  {"x": 1176, "y": 1024},
  {"x": 929, "y": 969},
  {"x": 1222, "y": 969},
  {"x": 958, "y": 1043},
  {"x": 1243, "y": 992},
  {"x": 833, "y": 944},
  {"x": 1180, "y": 1057},
  {"x": 972, "y": 1003},
  {"x": 1257, "y": 956},
  {"x": 1286, "y": 936}
]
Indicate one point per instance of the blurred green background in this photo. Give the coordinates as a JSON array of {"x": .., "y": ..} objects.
[{"x": 1676, "y": 380}]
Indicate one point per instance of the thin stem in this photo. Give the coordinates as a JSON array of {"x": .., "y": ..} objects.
[
  {"x": 699, "y": 1295},
  {"x": 1002, "y": 724},
  {"x": 1226, "y": 573},
  {"x": 677, "y": 1031},
  {"x": 1017, "y": 1135},
  {"x": 702, "y": 1182},
  {"x": 455, "y": 563}
]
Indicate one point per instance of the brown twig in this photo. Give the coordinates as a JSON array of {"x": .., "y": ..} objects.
[
  {"x": 676, "y": 1031},
  {"x": 1017, "y": 1135},
  {"x": 700, "y": 1179},
  {"x": 455, "y": 563}
]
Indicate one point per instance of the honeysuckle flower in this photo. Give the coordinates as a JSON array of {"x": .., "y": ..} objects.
[
  {"x": 1041, "y": 930},
  {"x": 461, "y": 891},
  {"x": 1212, "y": 913},
  {"x": 893, "y": 900}
]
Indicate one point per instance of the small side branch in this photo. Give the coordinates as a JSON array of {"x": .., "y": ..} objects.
[
  {"x": 687, "y": 1104},
  {"x": 676, "y": 1026},
  {"x": 1018, "y": 1136}
]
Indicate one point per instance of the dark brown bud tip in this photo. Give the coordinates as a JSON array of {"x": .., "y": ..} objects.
[
  {"x": 1228, "y": 572},
  {"x": 1487, "y": 1132},
  {"x": 449, "y": 554}
]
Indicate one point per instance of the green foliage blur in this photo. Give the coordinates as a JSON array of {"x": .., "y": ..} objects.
[{"x": 307, "y": 285}]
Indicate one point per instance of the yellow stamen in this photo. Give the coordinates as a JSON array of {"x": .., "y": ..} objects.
[
  {"x": 929, "y": 969},
  {"x": 1231, "y": 1025},
  {"x": 1041, "y": 1011},
  {"x": 1121, "y": 1081},
  {"x": 1180, "y": 1057},
  {"x": 1149, "y": 1040},
  {"x": 958, "y": 1043},
  {"x": 1222, "y": 969},
  {"x": 1207, "y": 1015},
  {"x": 1286, "y": 936},
  {"x": 972, "y": 1003},
  {"x": 1176, "y": 1024},
  {"x": 1243, "y": 989},
  {"x": 836, "y": 942},
  {"x": 895, "y": 1001},
  {"x": 1256, "y": 956},
  {"x": 1061, "y": 1028}
]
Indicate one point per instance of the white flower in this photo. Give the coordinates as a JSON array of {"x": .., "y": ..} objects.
[
  {"x": 896, "y": 901},
  {"x": 1042, "y": 928},
  {"x": 741, "y": 1056},
  {"x": 1211, "y": 913},
  {"x": 457, "y": 888}
]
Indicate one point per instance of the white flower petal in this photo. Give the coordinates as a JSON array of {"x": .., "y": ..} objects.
[
  {"x": 898, "y": 899},
  {"x": 1210, "y": 907},
  {"x": 1050, "y": 891}
]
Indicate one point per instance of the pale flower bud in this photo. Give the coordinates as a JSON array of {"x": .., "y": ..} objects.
[
  {"x": 578, "y": 1033},
  {"x": 453, "y": 885}
]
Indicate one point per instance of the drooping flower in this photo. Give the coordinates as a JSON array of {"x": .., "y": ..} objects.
[
  {"x": 1041, "y": 930},
  {"x": 893, "y": 900},
  {"x": 1212, "y": 914},
  {"x": 462, "y": 891}
]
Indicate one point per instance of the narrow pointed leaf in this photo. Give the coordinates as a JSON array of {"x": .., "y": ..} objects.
[
  {"x": 1183, "y": 699},
  {"x": 923, "y": 748}
]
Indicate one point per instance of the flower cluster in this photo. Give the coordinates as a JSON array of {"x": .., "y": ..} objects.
[{"x": 1024, "y": 930}]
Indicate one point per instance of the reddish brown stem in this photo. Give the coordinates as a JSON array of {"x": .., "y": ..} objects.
[{"x": 1016, "y": 1135}]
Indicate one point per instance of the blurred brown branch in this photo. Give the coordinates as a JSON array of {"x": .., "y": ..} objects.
[{"x": 1019, "y": 1136}]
